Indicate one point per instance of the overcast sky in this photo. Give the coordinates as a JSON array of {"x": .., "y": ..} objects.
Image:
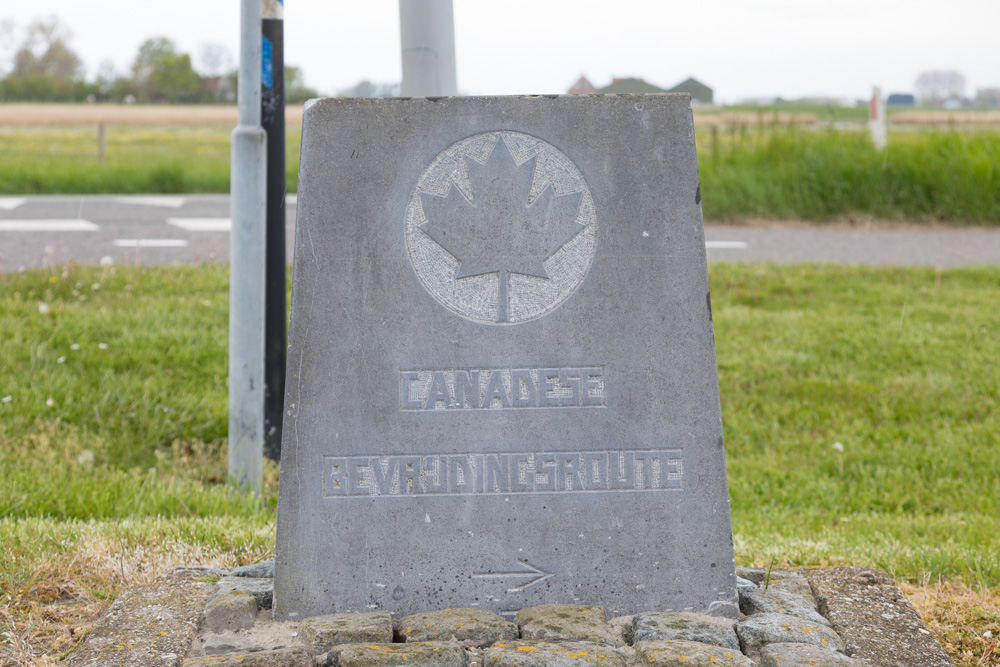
[{"x": 741, "y": 48}]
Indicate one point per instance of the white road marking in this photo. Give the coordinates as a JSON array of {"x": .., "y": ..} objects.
[
  {"x": 10, "y": 203},
  {"x": 202, "y": 224},
  {"x": 291, "y": 200},
  {"x": 163, "y": 202},
  {"x": 48, "y": 225},
  {"x": 734, "y": 245},
  {"x": 150, "y": 243}
]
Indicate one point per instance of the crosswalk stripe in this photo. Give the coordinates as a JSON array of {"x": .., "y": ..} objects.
[
  {"x": 48, "y": 225},
  {"x": 163, "y": 202},
  {"x": 202, "y": 224},
  {"x": 733, "y": 245},
  {"x": 150, "y": 243},
  {"x": 10, "y": 203}
]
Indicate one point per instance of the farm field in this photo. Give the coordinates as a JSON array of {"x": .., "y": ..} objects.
[
  {"x": 858, "y": 403},
  {"x": 770, "y": 164}
]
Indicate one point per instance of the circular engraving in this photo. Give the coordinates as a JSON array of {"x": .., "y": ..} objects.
[{"x": 501, "y": 227}]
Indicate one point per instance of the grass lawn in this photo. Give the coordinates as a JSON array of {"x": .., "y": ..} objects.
[{"x": 860, "y": 409}]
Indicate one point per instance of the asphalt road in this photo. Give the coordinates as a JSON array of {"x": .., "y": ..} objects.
[{"x": 163, "y": 229}]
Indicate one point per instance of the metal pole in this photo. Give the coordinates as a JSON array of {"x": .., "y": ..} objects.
[
  {"x": 273, "y": 120},
  {"x": 427, "y": 37},
  {"x": 878, "y": 123},
  {"x": 246, "y": 270}
]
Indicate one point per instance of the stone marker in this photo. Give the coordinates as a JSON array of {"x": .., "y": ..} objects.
[{"x": 502, "y": 388}]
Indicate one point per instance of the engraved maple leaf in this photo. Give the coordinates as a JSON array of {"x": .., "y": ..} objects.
[{"x": 499, "y": 231}]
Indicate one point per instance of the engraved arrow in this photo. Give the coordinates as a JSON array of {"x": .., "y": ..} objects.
[{"x": 539, "y": 575}]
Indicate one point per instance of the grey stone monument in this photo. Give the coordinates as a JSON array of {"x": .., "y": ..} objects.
[{"x": 502, "y": 387}]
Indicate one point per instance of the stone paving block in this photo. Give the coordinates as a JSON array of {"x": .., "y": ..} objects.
[
  {"x": 565, "y": 622},
  {"x": 288, "y": 657},
  {"x": 688, "y": 626},
  {"x": 261, "y": 588},
  {"x": 261, "y": 570},
  {"x": 322, "y": 633},
  {"x": 744, "y": 585},
  {"x": 534, "y": 653},
  {"x": 757, "y": 631},
  {"x": 622, "y": 629},
  {"x": 787, "y": 580},
  {"x": 147, "y": 626},
  {"x": 877, "y": 622},
  {"x": 682, "y": 653},
  {"x": 803, "y": 655},
  {"x": 417, "y": 654},
  {"x": 780, "y": 601},
  {"x": 469, "y": 626},
  {"x": 231, "y": 611}
]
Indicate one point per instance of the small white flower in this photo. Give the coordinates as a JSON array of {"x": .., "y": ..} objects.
[
  {"x": 74, "y": 346},
  {"x": 839, "y": 448},
  {"x": 206, "y": 302},
  {"x": 107, "y": 261},
  {"x": 166, "y": 409},
  {"x": 86, "y": 458},
  {"x": 95, "y": 286},
  {"x": 61, "y": 360},
  {"x": 82, "y": 297},
  {"x": 43, "y": 308},
  {"x": 51, "y": 403},
  {"x": 988, "y": 634},
  {"x": 103, "y": 346},
  {"x": 6, "y": 399}
]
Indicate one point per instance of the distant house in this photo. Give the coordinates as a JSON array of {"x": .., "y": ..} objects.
[
  {"x": 700, "y": 93},
  {"x": 901, "y": 100},
  {"x": 630, "y": 86},
  {"x": 583, "y": 87}
]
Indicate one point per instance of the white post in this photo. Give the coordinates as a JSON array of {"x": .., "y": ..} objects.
[
  {"x": 878, "y": 123},
  {"x": 427, "y": 37},
  {"x": 247, "y": 269}
]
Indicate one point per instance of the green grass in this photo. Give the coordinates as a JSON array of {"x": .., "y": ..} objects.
[
  {"x": 138, "y": 159},
  {"x": 786, "y": 172},
  {"x": 898, "y": 365}
]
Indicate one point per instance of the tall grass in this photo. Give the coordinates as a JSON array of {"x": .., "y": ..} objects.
[
  {"x": 766, "y": 170},
  {"x": 788, "y": 172},
  {"x": 138, "y": 159}
]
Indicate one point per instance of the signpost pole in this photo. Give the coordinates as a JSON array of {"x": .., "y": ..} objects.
[
  {"x": 246, "y": 271},
  {"x": 878, "y": 124},
  {"x": 272, "y": 100},
  {"x": 427, "y": 37}
]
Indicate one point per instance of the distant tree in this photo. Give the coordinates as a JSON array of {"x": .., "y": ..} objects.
[
  {"x": 214, "y": 59},
  {"x": 6, "y": 43},
  {"x": 940, "y": 85},
  {"x": 296, "y": 90},
  {"x": 44, "y": 68},
  {"x": 162, "y": 74}
]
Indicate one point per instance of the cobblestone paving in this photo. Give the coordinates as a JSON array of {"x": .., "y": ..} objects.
[{"x": 783, "y": 625}]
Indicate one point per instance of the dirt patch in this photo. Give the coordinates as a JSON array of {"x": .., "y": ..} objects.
[
  {"x": 945, "y": 118},
  {"x": 965, "y": 619},
  {"x": 747, "y": 118},
  {"x": 126, "y": 114}
]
